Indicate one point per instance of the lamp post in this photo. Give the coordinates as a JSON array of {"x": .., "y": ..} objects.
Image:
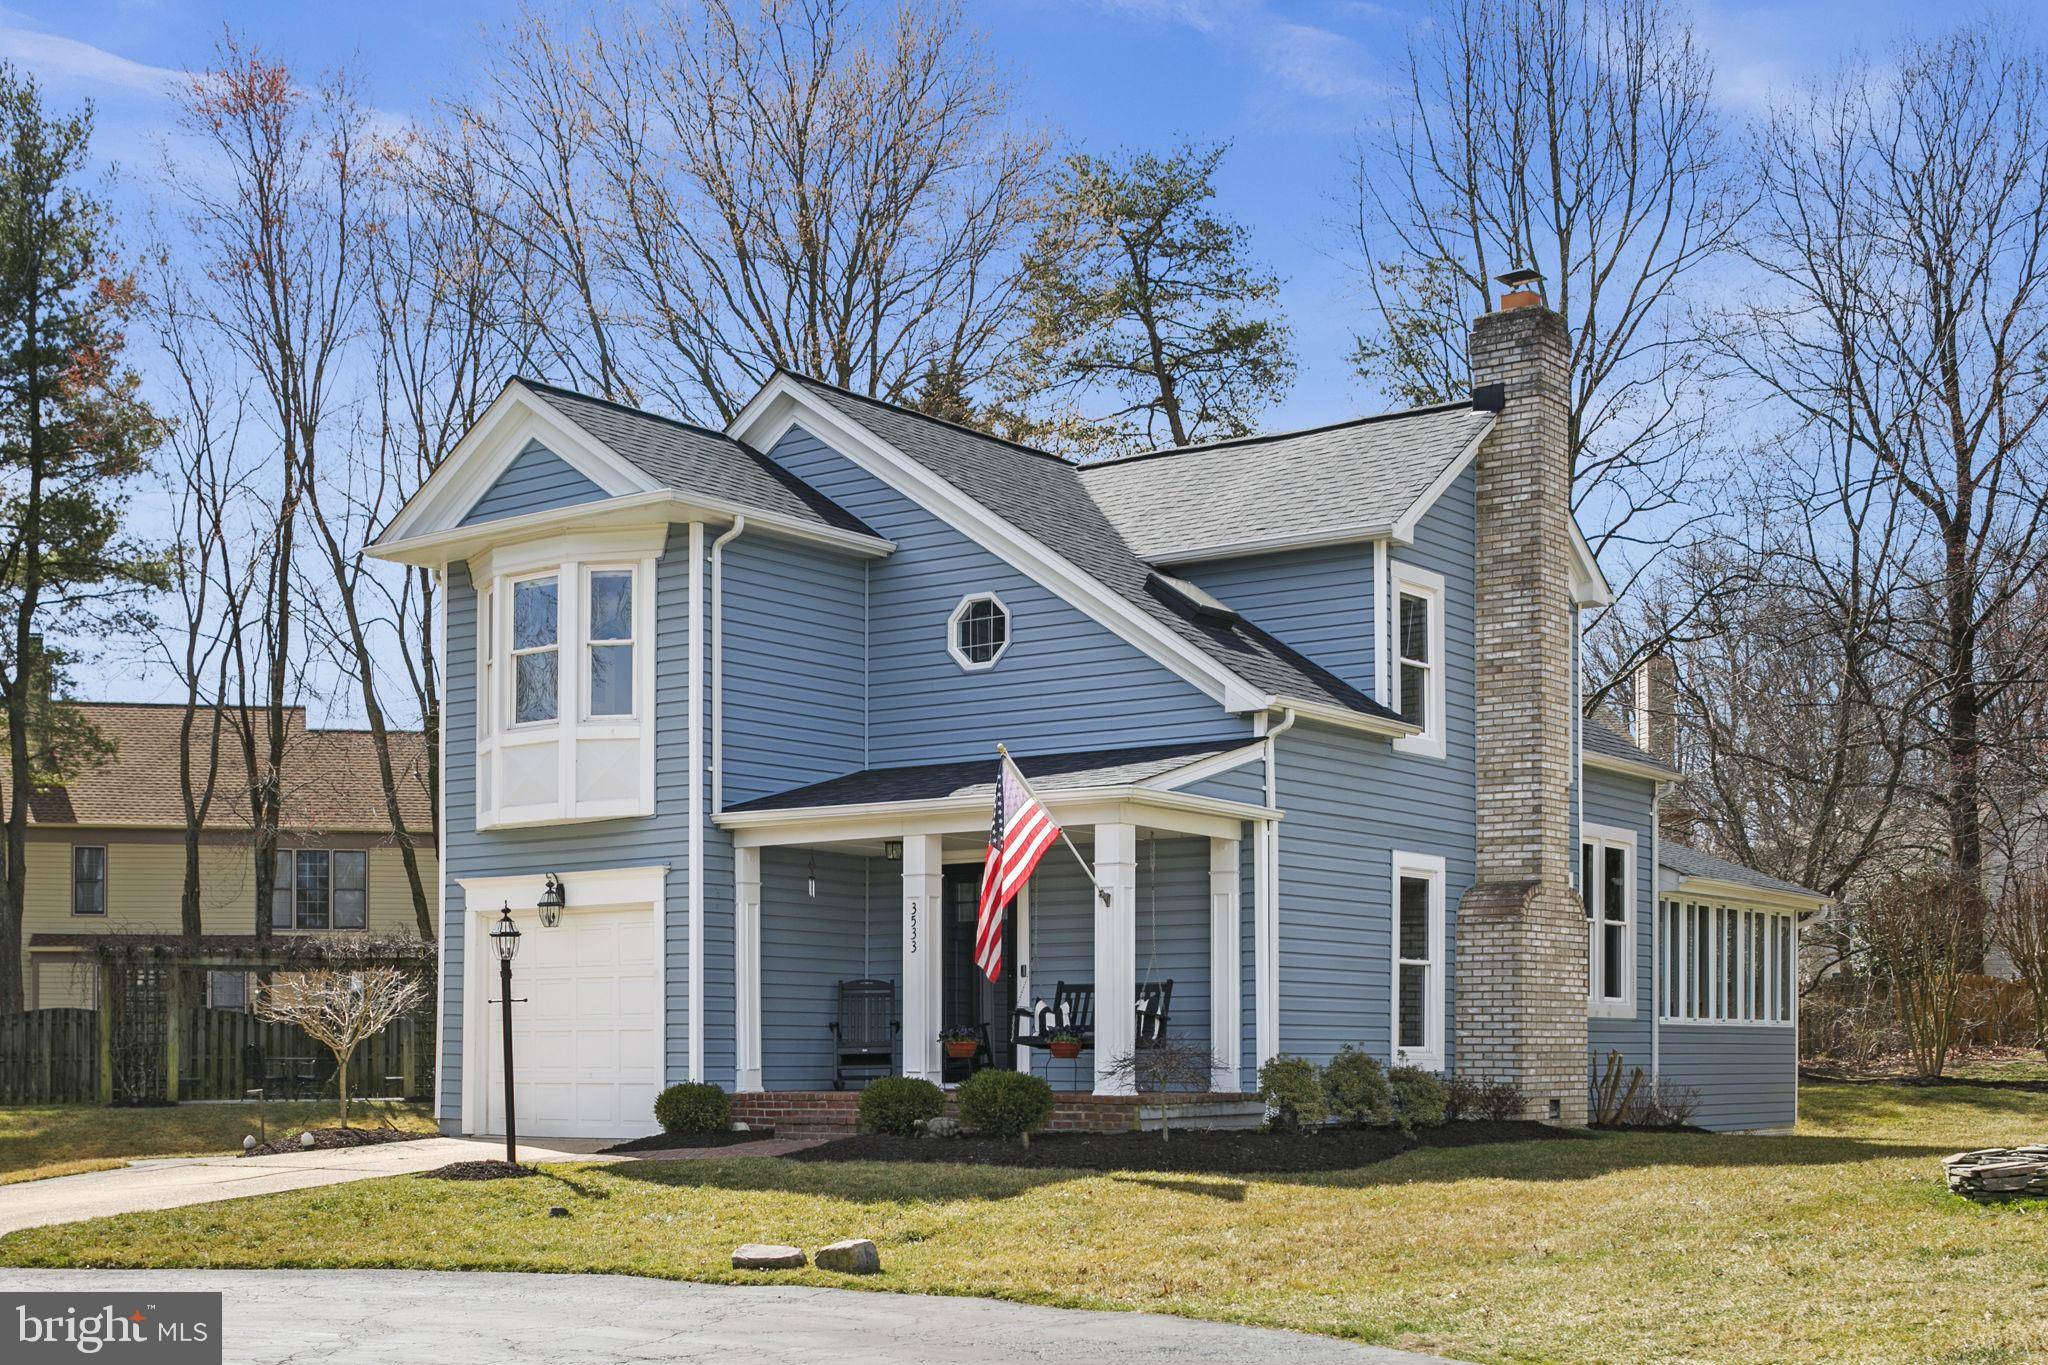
[{"x": 505, "y": 939}]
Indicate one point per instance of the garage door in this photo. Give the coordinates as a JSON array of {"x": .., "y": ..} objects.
[{"x": 587, "y": 1039}]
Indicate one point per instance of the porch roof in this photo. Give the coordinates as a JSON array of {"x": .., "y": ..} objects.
[{"x": 939, "y": 797}]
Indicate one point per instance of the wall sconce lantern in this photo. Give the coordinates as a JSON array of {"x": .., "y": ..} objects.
[
  {"x": 552, "y": 899},
  {"x": 892, "y": 849}
]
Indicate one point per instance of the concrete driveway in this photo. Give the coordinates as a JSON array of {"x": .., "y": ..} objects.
[
  {"x": 177, "y": 1181},
  {"x": 452, "y": 1318}
]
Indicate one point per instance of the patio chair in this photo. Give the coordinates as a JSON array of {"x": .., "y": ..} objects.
[{"x": 866, "y": 1031}]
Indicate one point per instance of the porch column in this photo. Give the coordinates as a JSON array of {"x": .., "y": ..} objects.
[
  {"x": 923, "y": 888},
  {"x": 1265, "y": 943},
  {"x": 746, "y": 968},
  {"x": 1225, "y": 939},
  {"x": 1116, "y": 953}
]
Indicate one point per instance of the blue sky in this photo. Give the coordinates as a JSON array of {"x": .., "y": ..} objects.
[{"x": 1289, "y": 84}]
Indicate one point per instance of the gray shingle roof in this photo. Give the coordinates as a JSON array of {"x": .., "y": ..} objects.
[
  {"x": 1048, "y": 773},
  {"x": 1043, "y": 496},
  {"x": 1603, "y": 739},
  {"x": 694, "y": 460},
  {"x": 1361, "y": 474},
  {"x": 1690, "y": 862}
]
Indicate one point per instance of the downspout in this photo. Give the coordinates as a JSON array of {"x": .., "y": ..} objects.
[
  {"x": 739, "y": 524},
  {"x": 1266, "y": 915},
  {"x": 1656, "y": 933},
  {"x": 695, "y": 731}
]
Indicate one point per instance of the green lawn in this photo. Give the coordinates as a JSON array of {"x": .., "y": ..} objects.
[
  {"x": 63, "y": 1139},
  {"x": 1836, "y": 1243}
]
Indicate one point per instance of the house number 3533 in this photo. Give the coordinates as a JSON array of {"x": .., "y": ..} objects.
[{"x": 913, "y": 926}]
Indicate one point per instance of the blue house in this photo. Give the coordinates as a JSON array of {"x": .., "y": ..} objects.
[{"x": 1306, "y": 702}]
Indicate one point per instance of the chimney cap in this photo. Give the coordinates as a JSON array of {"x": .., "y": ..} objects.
[{"x": 1520, "y": 277}]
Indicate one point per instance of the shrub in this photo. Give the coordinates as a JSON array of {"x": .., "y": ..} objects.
[
  {"x": 1468, "y": 1099},
  {"x": 1004, "y": 1104},
  {"x": 1293, "y": 1093},
  {"x": 897, "y": 1104},
  {"x": 1356, "y": 1089},
  {"x": 1419, "y": 1100},
  {"x": 1667, "y": 1104},
  {"x": 693, "y": 1107}
]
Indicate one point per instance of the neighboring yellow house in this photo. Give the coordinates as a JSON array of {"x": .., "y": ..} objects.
[{"x": 106, "y": 851}]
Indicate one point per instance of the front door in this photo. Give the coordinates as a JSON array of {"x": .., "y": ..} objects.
[{"x": 970, "y": 998}]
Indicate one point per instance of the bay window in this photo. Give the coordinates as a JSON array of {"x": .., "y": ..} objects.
[
  {"x": 564, "y": 719},
  {"x": 1607, "y": 890},
  {"x": 1418, "y": 985}
]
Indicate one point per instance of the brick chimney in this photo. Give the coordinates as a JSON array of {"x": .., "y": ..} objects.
[
  {"x": 1521, "y": 983},
  {"x": 1654, "y": 700}
]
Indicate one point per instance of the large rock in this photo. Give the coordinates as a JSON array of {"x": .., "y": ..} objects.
[
  {"x": 940, "y": 1127},
  {"x": 763, "y": 1256},
  {"x": 853, "y": 1256},
  {"x": 2000, "y": 1173}
]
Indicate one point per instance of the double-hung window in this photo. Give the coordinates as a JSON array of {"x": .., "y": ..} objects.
[
  {"x": 1415, "y": 656},
  {"x": 320, "y": 889},
  {"x": 565, "y": 678},
  {"x": 1418, "y": 900},
  {"x": 1607, "y": 888},
  {"x": 88, "y": 880}
]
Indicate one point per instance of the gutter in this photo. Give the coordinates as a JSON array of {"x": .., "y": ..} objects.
[{"x": 739, "y": 524}]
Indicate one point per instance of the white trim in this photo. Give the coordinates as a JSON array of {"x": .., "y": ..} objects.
[
  {"x": 1226, "y": 934},
  {"x": 1116, "y": 955},
  {"x": 1379, "y": 622},
  {"x": 783, "y": 403},
  {"x": 622, "y": 888},
  {"x": 1429, "y": 867},
  {"x": 1590, "y": 587},
  {"x": 695, "y": 732},
  {"x": 1684, "y": 964},
  {"x": 1266, "y": 905},
  {"x": 968, "y": 665},
  {"x": 1203, "y": 769},
  {"x": 1324, "y": 714},
  {"x": 923, "y": 946},
  {"x": 1762, "y": 898},
  {"x": 1020, "y": 1057},
  {"x": 746, "y": 975},
  {"x": 1405, "y": 524},
  {"x": 1656, "y": 936},
  {"x": 1602, "y": 838},
  {"x": 1414, "y": 581},
  {"x": 718, "y": 661},
  {"x": 1648, "y": 769},
  {"x": 1180, "y": 812},
  {"x": 441, "y": 859}
]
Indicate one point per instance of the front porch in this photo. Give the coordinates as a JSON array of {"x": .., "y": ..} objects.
[{"x": 886, "y": 892}]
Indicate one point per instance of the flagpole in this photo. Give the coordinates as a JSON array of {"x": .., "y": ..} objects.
[{"x": 1093, "y": 880}]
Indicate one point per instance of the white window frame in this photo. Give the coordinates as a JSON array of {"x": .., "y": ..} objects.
[
  {"x": 960, "y": 609},
  {"x": 1602, "y": 838},
  {"x": 512, "y": 653},
  {"x": 571, "y": 560},
  {"x": 1685, "y": 960},
  {"x": 588, "y": 644},
  {"x": 1413, "y": 581},
  {"x": 1430, "y": 1056}
]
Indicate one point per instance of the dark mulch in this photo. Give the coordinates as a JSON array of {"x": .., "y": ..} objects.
[
  {"x": 479, "y": 1170},
  {"x": 663, "y": 1142},
  {"x": 1648, "y": 1128},
  {"x": 1210, "y": 1151},
  {"x": 328, "y": 1138}
]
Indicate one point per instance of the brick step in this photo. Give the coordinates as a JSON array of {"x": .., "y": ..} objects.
[{"x": 836, "y": 1113}]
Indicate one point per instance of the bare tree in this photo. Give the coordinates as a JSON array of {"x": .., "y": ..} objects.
[
  {"x": 1175, "y": 1070},
  {"x": 2020, "y": 929},
  {"x": 273, "y": 229},
  {"x": 1581, "y": 139},
  {"x": 343, "y": 1006},
  {"x": 1903, "y": 240},
  {"x": 721, "y": 192},
  {"x": 1921, "y": 930}
]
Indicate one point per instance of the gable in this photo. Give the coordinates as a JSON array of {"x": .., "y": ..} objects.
[
  {"x": 537, "y": 480},
  {"x": 1066, "y": 683}
]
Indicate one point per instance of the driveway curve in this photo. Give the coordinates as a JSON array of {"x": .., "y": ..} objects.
[{"x": 491, "y": 1318}]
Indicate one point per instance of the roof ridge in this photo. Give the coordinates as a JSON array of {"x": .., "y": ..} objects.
[
  {"x": 627, "y": 408},
  {"x": 1261, "y": 437},
  {"x": 948, "y": 422}
]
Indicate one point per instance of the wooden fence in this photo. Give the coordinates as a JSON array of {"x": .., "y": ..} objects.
[
  {"x": 49, "y": 1056},
  {"x": 53, "y": 1056}
]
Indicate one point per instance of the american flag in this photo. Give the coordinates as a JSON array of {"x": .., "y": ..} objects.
[{"x": 1017, "y": 838}]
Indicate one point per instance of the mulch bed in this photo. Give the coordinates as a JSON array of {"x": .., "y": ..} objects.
[
  {"x": 325, "y": 1139},
  {"x": 665, "y": 1142},
  {"x": 1199, "y": 1151},
  {"x": 479, "y": 1170}
]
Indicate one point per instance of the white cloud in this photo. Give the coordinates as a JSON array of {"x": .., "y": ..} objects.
[
  {"x": 56, "y": 59},
  {"x": 1297, "y": 58}
]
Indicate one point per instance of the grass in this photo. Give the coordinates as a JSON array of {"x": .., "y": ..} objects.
[
  {"x": 39, "y": 1141},
  {"x": 1837, "y": 1242}
]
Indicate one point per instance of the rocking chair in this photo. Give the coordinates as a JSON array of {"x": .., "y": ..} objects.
[{"x": 866, "y": 1031}]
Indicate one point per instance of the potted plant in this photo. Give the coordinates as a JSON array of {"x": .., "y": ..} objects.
[
  {"x": 1064, "y": 1043},
  {"x": 959, "y": 1041}
]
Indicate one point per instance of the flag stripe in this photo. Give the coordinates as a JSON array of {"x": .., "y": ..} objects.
[{"x": 1020, "y": 832}]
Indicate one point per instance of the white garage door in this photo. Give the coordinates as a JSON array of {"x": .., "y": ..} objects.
[{"x": 586, "y": 1042}]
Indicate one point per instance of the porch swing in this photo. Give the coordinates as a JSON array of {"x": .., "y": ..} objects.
[{"x": 1072, "y": 1011}]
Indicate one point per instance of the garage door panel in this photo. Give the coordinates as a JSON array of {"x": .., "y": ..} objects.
[{"x": 587, "y": 1041}]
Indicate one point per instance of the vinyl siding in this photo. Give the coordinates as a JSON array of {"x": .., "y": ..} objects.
[
  {"x": 537, "y": 480},
  {"x": 1747, "y": 1075},
  {"x": 1065, "y": 684},
  {"x": 1316, "y": 601},
  {"x": 807, "y": 947},
  {"x": 639, "y": 842},
  {"x": 1350, "y": 802},
  {"x": 1626, "y": 803}
]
